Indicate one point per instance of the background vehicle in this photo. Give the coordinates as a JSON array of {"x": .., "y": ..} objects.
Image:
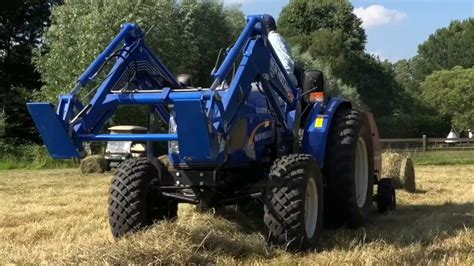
[
  {"x": 251, "y": 135},
  {"x": 118, "y": 151}
]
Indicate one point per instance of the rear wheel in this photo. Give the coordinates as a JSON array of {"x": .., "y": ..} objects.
[
  {"x": 134, "y": 200},
  {"x": 349, "y": 169},
  {"x": 293, "y": 205},
  {"x": 361, "y": 172}
]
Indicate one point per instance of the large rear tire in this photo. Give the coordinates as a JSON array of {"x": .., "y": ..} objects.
[
  {"x": 293, "y": 203},
  {"x": 349, "y": 169},
  {"x": 134, "y": 200}
]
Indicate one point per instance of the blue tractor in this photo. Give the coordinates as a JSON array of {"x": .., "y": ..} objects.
[{"x": 297, "y": 153}]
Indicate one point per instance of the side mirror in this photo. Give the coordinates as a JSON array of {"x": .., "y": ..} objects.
[{"x": 313, "y": 81}]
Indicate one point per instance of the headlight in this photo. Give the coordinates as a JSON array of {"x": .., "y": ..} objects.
[{"x": 173, "y": 146}]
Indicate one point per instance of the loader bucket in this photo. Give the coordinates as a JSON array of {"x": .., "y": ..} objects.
[{"x": 52, "y": 131}]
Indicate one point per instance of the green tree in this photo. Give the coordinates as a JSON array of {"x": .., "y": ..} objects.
[
  {"x": 334, "y": 86},
  {"x": 305, "y": 17},
  {"x": 374, "y": 81},
  {"x": 412, "y": 125},
  {"x": 206, "y": 28},
  {"x": 328, "y": 31},
  {"x": 185, "y": 34},
  {"x": 445, "y": 49},
  {"x": 21, "y": 25},
  {"x": 3, "y": 117},
  {"x": 403, "y": 70},
  {"x": 331, "y": 34},
  {"x": 451, "y": 93}
]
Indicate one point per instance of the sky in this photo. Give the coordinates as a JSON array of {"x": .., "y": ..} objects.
[{"x": 394, "y": 28}]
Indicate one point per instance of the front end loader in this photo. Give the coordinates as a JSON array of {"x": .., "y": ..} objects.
[{"x": 252, "y": 135}]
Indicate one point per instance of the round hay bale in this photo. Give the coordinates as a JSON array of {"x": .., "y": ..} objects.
[
  {"x": 407, "y": 175},
  {"x": 93, "y": 164},
  {"x": 391, "y": 165}
]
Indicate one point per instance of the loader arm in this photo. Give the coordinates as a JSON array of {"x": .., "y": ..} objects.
[{"x": 204, "y": 117}]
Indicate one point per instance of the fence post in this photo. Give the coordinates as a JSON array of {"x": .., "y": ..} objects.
[{"x": 424, "y": 143}]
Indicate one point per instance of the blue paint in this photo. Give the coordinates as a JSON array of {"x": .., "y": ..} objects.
[
  {"x": 53, "y": 131},
  {"x": 315, "y": 139},
  {"x": 259, "y": 98}
]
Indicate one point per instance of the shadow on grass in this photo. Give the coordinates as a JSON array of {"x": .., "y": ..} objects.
[
  {"x": 408, "y": 225},
  {"x": 210, "y": 239}
]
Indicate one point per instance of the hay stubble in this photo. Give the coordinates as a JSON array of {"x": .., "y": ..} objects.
[{"x": 60, "y": 216}]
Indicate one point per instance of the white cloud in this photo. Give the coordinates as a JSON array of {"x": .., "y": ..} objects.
[{"x": 377, "y": 15}]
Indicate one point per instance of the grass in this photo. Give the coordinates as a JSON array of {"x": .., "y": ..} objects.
[
  {"x": 60, "y": 216},
  {"x": 458, "y": 157},
  {"x": 29, "y": 156},
  {"x": 11, "y": 163}
]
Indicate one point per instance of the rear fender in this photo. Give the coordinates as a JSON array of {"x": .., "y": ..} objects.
[
  {"x": 376, "y": 146},
  {"x": 317, "y": 132},
  {"x": 317, "y": 126}
]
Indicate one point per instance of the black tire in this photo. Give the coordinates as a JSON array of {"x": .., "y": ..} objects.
[
  {"x": 386, "y": 199},
  {"x": 342, "y": 206},
  {"x": 134, "y": 201},
  {"x": 285, "y": 202}
]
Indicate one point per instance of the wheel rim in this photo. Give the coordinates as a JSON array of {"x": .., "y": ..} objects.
[
  {"x": 361, "y": 172},
  {"x": 311, "y": 207}
]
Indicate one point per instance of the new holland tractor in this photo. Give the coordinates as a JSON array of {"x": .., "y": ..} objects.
[{"x": 251, "y": 135}]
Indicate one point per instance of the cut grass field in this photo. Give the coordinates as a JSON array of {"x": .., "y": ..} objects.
[{"x": 60, "y": 216}]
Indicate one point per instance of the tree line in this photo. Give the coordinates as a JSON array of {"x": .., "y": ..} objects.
[
  {"x": 422, "y": 95},
  {"x": 46, "y": 44}
]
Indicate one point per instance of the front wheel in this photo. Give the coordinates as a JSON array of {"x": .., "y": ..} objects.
[
  {"x": 134, "y": 200},
  {"x": 293, "y": 205}
]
